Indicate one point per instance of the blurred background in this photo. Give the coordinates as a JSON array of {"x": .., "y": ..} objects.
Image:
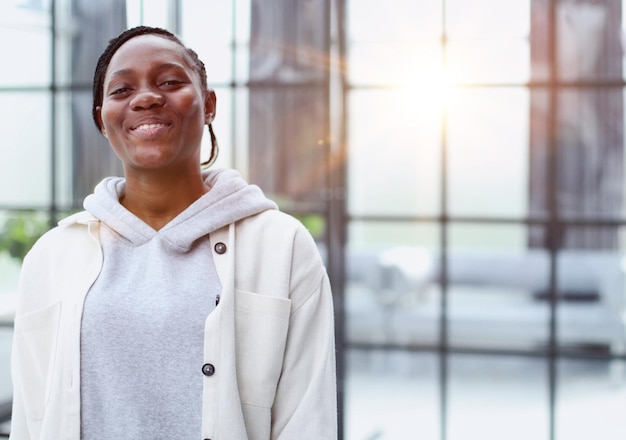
[{"x": 459, "y": 162}]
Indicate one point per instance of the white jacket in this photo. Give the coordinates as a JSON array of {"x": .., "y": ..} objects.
[{"x": 269, "y": 342}]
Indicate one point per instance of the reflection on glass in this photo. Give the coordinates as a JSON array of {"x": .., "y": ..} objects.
[
  {"x": 589, "y": 40},
  {"x": 591, "y": 153},
  {"x": 390, "y": 291},
  {"x": 494, "y": 281},
  {"x": 590, "y": 288}
]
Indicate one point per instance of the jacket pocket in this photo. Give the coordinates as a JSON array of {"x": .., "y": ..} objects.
[
  {"x": 261, "y": 323},
  {"x": 36, "y": 335}
]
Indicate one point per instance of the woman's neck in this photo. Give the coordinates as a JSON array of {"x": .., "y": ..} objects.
[{"x": 157, "y": 199}]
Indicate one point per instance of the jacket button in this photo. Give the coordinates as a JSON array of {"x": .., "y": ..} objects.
[
  {"x": 208, "y": 369},
  {"x": 220, "y": 248}
]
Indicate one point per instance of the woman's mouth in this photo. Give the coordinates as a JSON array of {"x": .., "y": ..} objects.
[{"x": 149, "y": 130}]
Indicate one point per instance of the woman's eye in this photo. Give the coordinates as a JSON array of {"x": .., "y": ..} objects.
[
  {"x": 120, "y": 91},
  {"x": 171, "y": 83}
]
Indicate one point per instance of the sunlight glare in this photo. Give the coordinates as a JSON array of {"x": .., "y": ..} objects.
[{"x": 433, "y": 87}]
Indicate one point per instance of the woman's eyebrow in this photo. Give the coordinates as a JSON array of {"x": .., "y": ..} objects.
[
  {"x": 121, "y": 72},
  {"x": 167, "y": 66},
  {"x": 164, "y": 66}
]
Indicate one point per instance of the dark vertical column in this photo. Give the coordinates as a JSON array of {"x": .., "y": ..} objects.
[
  {"x": 444, "y": 349},
  {"x": 337, "y": 215},
  {"x": 576, "y": 136},
  {"x": 53, "y": 211},
  {"x": 96, "y": 23},
  {"x": 588, "y": 131},
  {"x": 289, "y": 98}
]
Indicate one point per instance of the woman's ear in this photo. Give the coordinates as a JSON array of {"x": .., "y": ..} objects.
[
  {"x": 99, "y": 119},
  {"x": 210, "y": 101}
]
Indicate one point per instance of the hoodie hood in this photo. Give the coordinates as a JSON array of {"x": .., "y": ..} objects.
[{"x": 229, "y": 199}]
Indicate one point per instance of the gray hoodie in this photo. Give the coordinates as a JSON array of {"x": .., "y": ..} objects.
[{"x": 143, "y": 321}]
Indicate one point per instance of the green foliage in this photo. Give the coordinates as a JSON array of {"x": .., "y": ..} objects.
[
  {"x": 314, "y": 223},
  {"x": 19, "y": 234}
]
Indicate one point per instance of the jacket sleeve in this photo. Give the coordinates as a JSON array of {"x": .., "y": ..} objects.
[{"x": 305, "y": 406}]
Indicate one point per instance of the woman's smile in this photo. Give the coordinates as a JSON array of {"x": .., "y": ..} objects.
[{"x": 150, "y": 130}]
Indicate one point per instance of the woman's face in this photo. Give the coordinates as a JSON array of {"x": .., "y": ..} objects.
[{"x": 154, "y": 108}]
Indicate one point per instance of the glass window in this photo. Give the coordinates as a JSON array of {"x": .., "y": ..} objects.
[
  {"x": 391, "y": 48},
  {"x": 495, "y": 284},
  {"x": 488, "y": 41},
  {"x": 64, "y": 149},
  {"x": 26, "y": 47},
  {"x": 488, "y": 152},
  {"x": 407, "y": 64},
  {"x": 391, "y": 395},
  {"x": 587, "y": 387},
  {"x": 242, "y": 32},
  {"x": 399, "y": 20},
  {"x": 590, "y": 289},
  {"x": 158, "y": 13},
  {"x": 394, "y": 165},
  {"x": 215, "y": 46},
  {"x": 488, "y": 19},
  {"x": 25, "y": 127},
  {"x": 493, "y": 397},
  {"x": 18, "y": 232},
  {"x": 6, "y": 339},
  {"x": 222, "y": 129},
  {"x": 491, "y": 61},
  {"x": 589, "y": 40},
  {"x": 591, "y": 152},
  {"x": 390, "y": 291}
]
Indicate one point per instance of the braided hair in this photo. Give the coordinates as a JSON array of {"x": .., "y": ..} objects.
[{"x": 117, "y": 42}]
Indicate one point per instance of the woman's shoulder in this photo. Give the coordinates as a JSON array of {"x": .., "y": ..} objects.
[
  {"x": 279, "y": 233},
  {"x": 275, "y": 224},
  {"x": 65, "y": 236},
  {"x": 276, "y": 217}
]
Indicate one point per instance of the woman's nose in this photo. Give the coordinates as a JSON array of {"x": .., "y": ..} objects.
[{"x": 147, "y": 98}]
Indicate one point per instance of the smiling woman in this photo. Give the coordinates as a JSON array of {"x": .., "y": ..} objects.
[
  {"x": 153, "y": 111},
  {"x": 191, "y": 269}
]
